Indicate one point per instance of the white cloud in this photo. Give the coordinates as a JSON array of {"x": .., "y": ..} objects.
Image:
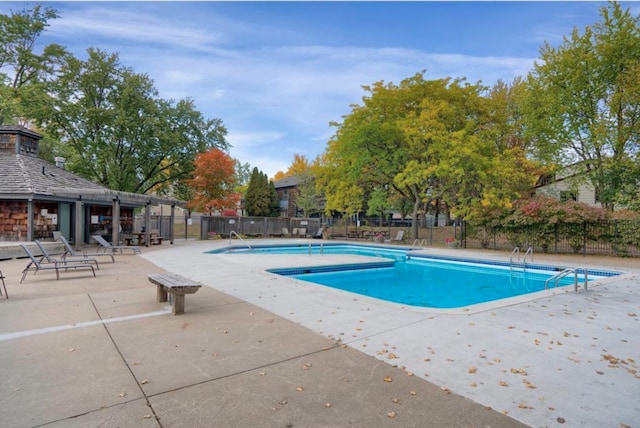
[
  {"x": 246, "y": 141},
  {"x": 130, "y": 25},
  {"x": 275, "y": 100}
]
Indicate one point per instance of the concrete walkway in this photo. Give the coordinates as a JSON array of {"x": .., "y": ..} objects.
[{"x": 257, "y": 350}]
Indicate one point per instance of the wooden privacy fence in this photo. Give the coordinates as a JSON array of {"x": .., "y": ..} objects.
[{"x": 258, "y": 226}]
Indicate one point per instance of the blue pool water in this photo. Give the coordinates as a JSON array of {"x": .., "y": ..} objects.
[
  {"x": 316, "y": 249},
  {"x": 417, "y": 280}
]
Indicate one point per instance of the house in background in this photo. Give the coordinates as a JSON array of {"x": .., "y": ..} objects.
[
  {"x": 287, "y": 189},
  {"x": 38, "y": 197},
  {"x": 569, "y": 183}
]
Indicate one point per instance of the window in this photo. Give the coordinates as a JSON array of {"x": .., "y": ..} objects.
[{"x": 568, "y": 195}]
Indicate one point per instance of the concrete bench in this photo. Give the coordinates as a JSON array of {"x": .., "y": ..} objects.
[{"x": 177, "y": 286}]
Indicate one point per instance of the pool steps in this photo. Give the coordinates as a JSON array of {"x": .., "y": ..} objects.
[{"x": 566, "y": 272}]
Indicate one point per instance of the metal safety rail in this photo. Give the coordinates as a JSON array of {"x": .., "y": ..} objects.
[
  {"x": 233, "y": 232},
  {"x": 557, "y": 277},
  {"x": 321, "y": 248},
  {"x": 419, "y": 243},
  {"x": 516, "y": 251}
]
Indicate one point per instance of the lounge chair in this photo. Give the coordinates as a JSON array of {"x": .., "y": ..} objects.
[
  {"x": 318, "y": 234},
  {"x": 102, "y": 243},
  {"x": 3, "y": 285},
  {"x": 35, "y": 265},
  {"x": 68, "y": 251},
  {"x": 60, "y": 262},
  {"x": 399, "y": 237},
  {"x": 285, "y": 231}
]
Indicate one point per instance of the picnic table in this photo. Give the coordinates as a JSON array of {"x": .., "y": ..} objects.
[
  {"x": 356, "y": 234},
  {"x": 154, "y": 238}
]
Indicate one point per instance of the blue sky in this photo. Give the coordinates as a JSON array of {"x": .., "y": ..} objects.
[{"x": 277, "y": 73}]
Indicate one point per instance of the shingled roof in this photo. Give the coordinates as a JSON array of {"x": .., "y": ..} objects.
[
  {"x": 289, "y": 181},
  {"x": 27, "y": 176},
  {"x": 34, "y": 176}
]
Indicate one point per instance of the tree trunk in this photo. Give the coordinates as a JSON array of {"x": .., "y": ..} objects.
[{"x": 414, "y": 215}]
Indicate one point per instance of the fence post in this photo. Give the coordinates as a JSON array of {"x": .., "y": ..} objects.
[
  {"x": 584, "y": 239},
  {"x": 615, "y": 238},
  {"x": 463, "y": 234}
]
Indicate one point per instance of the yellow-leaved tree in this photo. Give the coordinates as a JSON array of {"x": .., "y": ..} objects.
[{"x": 426, "y": 141}]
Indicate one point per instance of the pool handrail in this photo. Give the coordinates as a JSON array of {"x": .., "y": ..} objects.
[
  {"x": 419, "y": 243},
  {"x": 516, "y": 250},
  {"x": 233, "y": 232},
  {"x": 321, "y": 246},
  {"x": 557, "y": 277}
]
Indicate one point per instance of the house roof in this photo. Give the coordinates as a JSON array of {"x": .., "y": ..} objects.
[
  {"x": 19, "y": 129},
  {"x": 28, "y": 176},
  {"x": 562, "y": 173},
  {"x": 291, "y": 181}
]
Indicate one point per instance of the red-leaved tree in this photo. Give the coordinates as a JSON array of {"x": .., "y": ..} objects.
[{"x": 213, "y": 182}]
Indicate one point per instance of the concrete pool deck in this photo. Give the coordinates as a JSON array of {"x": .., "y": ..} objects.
[{"x": 256, "y": 349}]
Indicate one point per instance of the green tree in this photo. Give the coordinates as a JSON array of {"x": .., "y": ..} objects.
[
  {"x": 427, "y": 141},
  {"x": 243, "y": 173},
  {"x": 116, "y": 131},
  {"x": 582, "y": 105},
  {"x": 506, "y": 122},
  {"x": 261, "y": 199},
  {"x": 309, "y": 200},
  {"x": 378, "y": 203},
  {"x": 26, "y": 71}
]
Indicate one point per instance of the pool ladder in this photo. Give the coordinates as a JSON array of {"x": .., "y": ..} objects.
[
  {"x": 419, "y": 243},
  {"x": 557, "y": 277},
  {"x": 515, "y": 251},
  {"x": 321, "y": 248},
  {"x": 517, "y": 276},
  {"x": 233, "y": 232}
]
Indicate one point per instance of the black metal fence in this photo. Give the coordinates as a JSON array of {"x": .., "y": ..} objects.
[
  {"x": 620, "y": 238},
  {"x": 608, "y": 237}
]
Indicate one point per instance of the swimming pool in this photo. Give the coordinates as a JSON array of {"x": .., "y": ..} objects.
[
  {"x": 399, "y": 253},
  {"x": 416, "y": 279}
]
